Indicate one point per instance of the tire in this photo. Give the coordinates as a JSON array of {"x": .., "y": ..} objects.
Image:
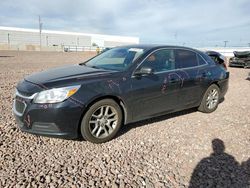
[
  {"x": 102, "y": 121},
  {"x": 210, "y": 99}
]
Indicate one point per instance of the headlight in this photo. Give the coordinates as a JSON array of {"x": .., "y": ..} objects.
[{"x": 56, "y": 95}]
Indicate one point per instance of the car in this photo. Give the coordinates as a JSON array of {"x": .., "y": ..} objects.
[
  {"x": 217, "y": 57},
  {"x": 240, "y": 59},
  {"x": 125, "y": 84}
]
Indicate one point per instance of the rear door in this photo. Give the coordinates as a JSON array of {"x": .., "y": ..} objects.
[{"x": 192, "y": 70}]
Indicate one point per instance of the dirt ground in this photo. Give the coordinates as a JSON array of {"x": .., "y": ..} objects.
[{"x": 169, "y": 151}]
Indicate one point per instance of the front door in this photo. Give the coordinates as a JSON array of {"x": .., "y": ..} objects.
[{"x": 158, "y": 92}]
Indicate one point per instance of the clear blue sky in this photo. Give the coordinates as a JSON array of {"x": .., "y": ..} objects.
[{"x": 189, "y": 22}]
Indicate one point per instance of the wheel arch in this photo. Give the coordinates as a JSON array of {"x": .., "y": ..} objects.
[{"x": 216, "y": 83}]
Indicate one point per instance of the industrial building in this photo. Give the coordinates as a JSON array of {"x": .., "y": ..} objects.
[{"x": 13, "y": 38}]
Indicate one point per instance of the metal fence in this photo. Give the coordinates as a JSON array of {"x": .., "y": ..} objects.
[{"x": 82, "y": 48}]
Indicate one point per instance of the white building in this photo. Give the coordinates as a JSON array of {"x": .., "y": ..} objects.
[{"x": 29, "y": 39}]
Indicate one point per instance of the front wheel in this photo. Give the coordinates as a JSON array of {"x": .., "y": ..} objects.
[
  {"x": 102, "y": 121},
  {"x": 210, "y": 99}
]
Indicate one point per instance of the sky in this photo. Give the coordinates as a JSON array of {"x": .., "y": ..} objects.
[{"x": 182, "y": 22}]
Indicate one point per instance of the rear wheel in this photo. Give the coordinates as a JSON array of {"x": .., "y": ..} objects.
[
  {"x": 102, "y": 121},
  {"x": 210, "y": 99}
]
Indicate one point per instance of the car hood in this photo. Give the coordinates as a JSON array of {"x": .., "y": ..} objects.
[{"x": 66, "y": 73}]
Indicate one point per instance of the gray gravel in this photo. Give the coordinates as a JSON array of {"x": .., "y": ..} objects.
[{"x": 162, "y": 152}]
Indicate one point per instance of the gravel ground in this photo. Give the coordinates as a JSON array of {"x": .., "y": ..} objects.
[{"x": 168, "y": 151}]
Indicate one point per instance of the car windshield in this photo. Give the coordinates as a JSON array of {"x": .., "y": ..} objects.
[{"x": 116, "y": 59}]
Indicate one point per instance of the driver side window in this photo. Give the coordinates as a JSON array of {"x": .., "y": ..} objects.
[{"x": 161, "y": 60}]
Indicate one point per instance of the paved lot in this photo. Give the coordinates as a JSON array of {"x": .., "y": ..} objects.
[{"x": 167, "y": 151}]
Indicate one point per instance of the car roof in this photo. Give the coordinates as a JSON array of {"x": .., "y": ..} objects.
[{"x": 155, "y": 46}]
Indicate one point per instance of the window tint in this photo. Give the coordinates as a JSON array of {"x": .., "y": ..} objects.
[
  {"x": 161, "y": 60},
  {"x": 185, "y": 58},
  {"x": 201, "y": 60}
]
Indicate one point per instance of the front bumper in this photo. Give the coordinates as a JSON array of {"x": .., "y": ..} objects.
[{"x": 55, "y": 120}]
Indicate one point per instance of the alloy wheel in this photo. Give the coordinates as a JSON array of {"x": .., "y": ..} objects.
[
  {"x": 103, "y": 121},
  {"x": 212, "y": 99}
]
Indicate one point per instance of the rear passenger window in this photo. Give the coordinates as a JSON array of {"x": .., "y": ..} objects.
[
  {"x": 185, "y": 58},
  {"x": 201, "y": 60}
]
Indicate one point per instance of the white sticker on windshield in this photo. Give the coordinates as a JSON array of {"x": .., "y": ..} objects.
[{"x": 136, "y": 50}]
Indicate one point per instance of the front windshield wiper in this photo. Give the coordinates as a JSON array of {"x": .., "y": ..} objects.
[{"x": 97, "y": 67}]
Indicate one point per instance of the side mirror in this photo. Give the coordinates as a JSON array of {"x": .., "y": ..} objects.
[{"x": 144, "y": 71}]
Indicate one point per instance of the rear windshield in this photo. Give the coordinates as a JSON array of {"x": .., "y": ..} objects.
[{"x": 207, "y": 58}]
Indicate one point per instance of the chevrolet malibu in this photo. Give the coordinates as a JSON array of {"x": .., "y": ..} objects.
[{"x": 125, "y": 84}]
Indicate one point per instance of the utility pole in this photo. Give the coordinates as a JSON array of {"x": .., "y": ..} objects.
[
  {"x": 77, "y": 41},
  {"x": 47, "y": 40},
  {"x": 40, "y": 31},
  {"x": 8, "y": 39},
  {"x": 226, "y": 41}
]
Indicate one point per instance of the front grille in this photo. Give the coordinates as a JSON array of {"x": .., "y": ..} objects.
[{"x": 19, "y": 107}]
